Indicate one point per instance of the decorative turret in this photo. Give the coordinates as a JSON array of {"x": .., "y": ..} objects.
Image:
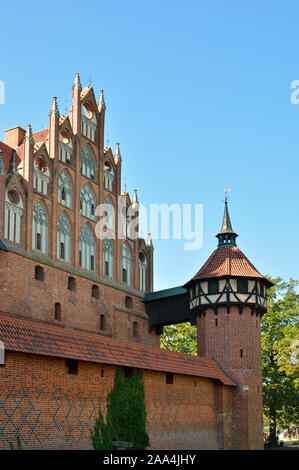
[
  {"x": 28, "y": 136},
  {"x": 226, "y": 236},
  {"x": 101, "y": 102},
  {"x": 54, "y": 108},
  {"x": 149, "y": 242},
  {"x": 77, "y": 83},
  {"x": 117, "y": 154},
  {"x": 135, "y": 201}
]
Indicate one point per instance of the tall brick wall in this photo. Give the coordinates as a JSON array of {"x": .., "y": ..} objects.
[{"x": 48, "y": 408}]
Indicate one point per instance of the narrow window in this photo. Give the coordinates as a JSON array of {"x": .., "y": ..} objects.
[
  {"x": 124, "y": 275},
  {"x": 128, "y": 302},
  {"x": 102, "y": 322},
  {"x": 241, "y": 353},
  {"x": 95, "y": 293},
  {"x": 242, "y": 286},
  {"x": 216, "y": 321},
  {"x": 62, "y": 250},
  {"x": 169, "y": 378},
  {"x": 80, "y": 258},
  {"x": 63, "y": 194},
  {"x": 71, "y": 284},
  {"x": 39, "y": 273},
  {"x": 71, "y": 366},
  {"x": 135, "y": 329},
  {"x": 57, "y": 312},
  {"x": 91, "y": 262},
  {"x": 106, "y": 268},
  {"x": 102, "y": 373},
  {"x": 38, "y": 241},
  {"x": 212, "y": 286}
]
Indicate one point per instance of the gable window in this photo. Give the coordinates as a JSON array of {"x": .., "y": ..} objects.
[
  {"x": 64, "y": 189},
  {"x": 88, "y": 166},
  {"x": 64, "y": 239},
  {"x": 108, "y": 257},
  {"x": 65, "y": 147},
  {"x": 13, "y": 214},
  {"x": 242, "y": 286},
  {"x": 40, "y": 228},
  {"x": 41, "y": 175},
  {"x": 87, "y": 202},
  {"x": 71, "y": 366},
  {"x": 126, "y": 263},
  {"x": 108, "y": 175},
  {"x": 212, "y": 286},
  {"x": 88, "y": 122},
  {"x": 87, "y": 248}
]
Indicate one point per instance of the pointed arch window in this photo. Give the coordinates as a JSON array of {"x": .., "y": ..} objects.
[
  {"x": 126, "y": 264},
  {"x": 64, "y": 189},
  {"x": 108, "y": 175},
  {"x": 109, "y": 213},
  {"x": 88, "y": 166},
  {"x": 142, "y": 271},
  {"x": 40, "y": 228},
  {"x": 108, "y": 258},
  {"x": 87, "y": 248},
  {"x": 13, "y": 213},
  {"x": 64, "y": 239},
  {"x": 41, "y": 175},
  {"x": 87, "y": 202}
]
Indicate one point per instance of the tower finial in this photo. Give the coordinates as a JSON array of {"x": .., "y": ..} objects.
[
  {"x": 226, "y": 236},
  {"x": 28, "y": 136},
  {"x": 54, "y": 108},
  {"x": 149, "y": 242},
  {"x": 117, "y": 155},
  {"x": 77, "y": 83},
  {"x": 135, "y": 201},
  {"x": 101, "y": 102}
]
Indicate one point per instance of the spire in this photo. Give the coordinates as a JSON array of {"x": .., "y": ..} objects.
[
  {"x": 226, "y": 236},
  {"x": 101, "y": 102},
  {"x": 135, "y": 201},
  {"x": 28, "y": 136},
  {"x": 149, "y": 242},
  {"x": 54, "y": 108},
  {"x": 2, "y": 167},
  {"x": 117, "y": 155},
  {"x": 77, "y": 83}
]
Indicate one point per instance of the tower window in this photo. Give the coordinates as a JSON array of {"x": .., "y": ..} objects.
[
  {"x": 135, "y": 329},
  {"x": 241, "y": 353},
  {"x": 71, "y": 284},
  {"x": 95, "y": 293},
  {"x": 242, "y": 286},
  {"x": 38, "y": 241},
  {"x": 216, "y": 322},
  {"x": 169, "y": 378},
  {"x": 39, "y": 273},
  {"x": 124, "y": 275},
  {"x": 212, "y": 286},
  {"x": 102, "y": 322},
  {"x": 57, "y": 311},
  {"x": 128, "y": 302},
  {"x": 71, "y": 366},
  {"x": 62, "y": 250}
]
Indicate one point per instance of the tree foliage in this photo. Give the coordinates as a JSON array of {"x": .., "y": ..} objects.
[
  {"x": 182, "y": 338},
  {"x": 125, "y": 417},
  {"x": 280, "y": 348}
]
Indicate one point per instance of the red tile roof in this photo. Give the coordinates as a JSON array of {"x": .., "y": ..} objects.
[
  {"x": 227, "y": 261},
  {"x": 6, "y": 154},
  {"x": 37, "y": 338},
  {"x": 40, "y": 136}
]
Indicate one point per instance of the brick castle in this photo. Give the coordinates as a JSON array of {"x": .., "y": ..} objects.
[{"x": 75, "y": 306}]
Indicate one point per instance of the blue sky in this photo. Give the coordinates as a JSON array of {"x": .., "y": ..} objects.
[{"x": 197, "y": 94}]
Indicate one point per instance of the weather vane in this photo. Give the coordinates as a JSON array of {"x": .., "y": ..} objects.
[
  {"x": 90, "y": 80},
  {"x": 226, "y": 191}
]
